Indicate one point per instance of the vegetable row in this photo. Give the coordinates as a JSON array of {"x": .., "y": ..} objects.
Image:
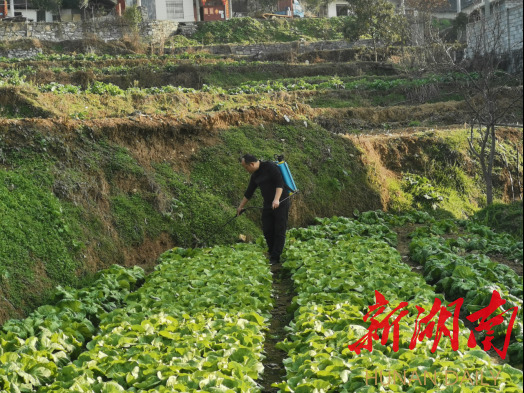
[
  {"x": 196, "y": 325},
  {"x": 254, "y": 87},
  {"x": 33, "y": 350},
  {"x": 105, "y": 57},
  {"x": 336, "y": 267},
  {"x": 452, "y": 253},
  {"x": 472, "y": 277}
]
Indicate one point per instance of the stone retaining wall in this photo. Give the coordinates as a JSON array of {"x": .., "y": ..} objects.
[
  {"x": 21, "y": 53},
  {"x": 108, "y": 30},
  {"x": 298, "y": 47}
]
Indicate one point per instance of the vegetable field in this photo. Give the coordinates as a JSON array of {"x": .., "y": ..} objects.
[
  {"x": 109, "y": 160},
  {"x": 198, "y": 323},
  {"x": 175, "y": 83}
]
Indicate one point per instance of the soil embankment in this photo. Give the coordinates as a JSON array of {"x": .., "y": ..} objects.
[
  {"x": 125, "y": 190},
  {"x": 91, "y": 174}
]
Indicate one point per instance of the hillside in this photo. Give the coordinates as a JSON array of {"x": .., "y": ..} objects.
[
  {"x": 124, "y": 159},
  {"x": 130, "y": 155}
]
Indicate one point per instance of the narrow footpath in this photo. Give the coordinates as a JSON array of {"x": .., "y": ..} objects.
[{"x": 283, "y": 293}]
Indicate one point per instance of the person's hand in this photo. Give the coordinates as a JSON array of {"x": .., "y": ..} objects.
[
  {"x": 239, "y": 211},
  {"x": 276, "y": 204}
]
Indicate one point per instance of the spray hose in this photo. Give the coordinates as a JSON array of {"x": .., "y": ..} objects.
[{"x": 239, "y": 214}]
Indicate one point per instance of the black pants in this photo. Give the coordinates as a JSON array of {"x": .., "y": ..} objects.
[{"x": 274, "y": 223}]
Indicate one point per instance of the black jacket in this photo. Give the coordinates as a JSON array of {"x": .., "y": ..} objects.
[{"x": 268, "y": 178}]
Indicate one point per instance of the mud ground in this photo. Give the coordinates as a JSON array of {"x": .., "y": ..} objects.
[{"x": 274, "y": 370}]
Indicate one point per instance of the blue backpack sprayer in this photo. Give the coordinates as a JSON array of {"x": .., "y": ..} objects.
[{"x": 286, "y": 175}]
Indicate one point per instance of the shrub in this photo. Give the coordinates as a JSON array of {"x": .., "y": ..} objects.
[{"x": 104, "y": 88}]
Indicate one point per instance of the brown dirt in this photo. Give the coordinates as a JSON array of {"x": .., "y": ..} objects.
[
  {"x": 442, "y": 113},
  {"x": 377, "y": 170},
  {"x": 7, "y": 310},
  {"x": 274, "y": 370},
  {"x": 403, "y": 241},
  {"x": 146, "y": 254},
  {"x": 515, "y": 265},
  {"x": 43, "y": 284},
  {"x": 150, "y": 138}
]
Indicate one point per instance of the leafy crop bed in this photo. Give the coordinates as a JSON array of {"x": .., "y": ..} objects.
[
  {"x": 32, "y": 351},
  {"x": 196, "y": 325},
  {"x": 198, "y": 322},
  {"x": 254, "y": 87},
  {"x": 337, "y": 266},
  {"x": 473, "y": 276}
]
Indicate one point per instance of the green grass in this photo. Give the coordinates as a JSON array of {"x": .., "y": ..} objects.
[
  {"x": 16, "y": 111},
  {"x": 322, "y": 101},
  {"x": 228, "y": 79},
  {"x": 136, "y": 219},
  {"x": 324, "y": 166},
  {"x": 503, "y": 217},
  {"x": 198, "y": 213},
  {"x": 388, "y": 99},
  {"x": 250, "y": 30},
  {"x": 37, "y": 237}
]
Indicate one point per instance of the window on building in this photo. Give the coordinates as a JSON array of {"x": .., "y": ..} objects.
[
  {"x": 40, "y": 16},
  {"x": 175, "y": 9},
  {"x": 342, "y": 10}
]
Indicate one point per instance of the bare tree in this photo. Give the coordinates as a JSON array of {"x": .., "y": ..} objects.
[
  {"x": 493, "y": 88},
  {"x": 488, "y": 80}
]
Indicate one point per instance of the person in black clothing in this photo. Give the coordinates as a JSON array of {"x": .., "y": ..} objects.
[{"x": 267, "y": 176}]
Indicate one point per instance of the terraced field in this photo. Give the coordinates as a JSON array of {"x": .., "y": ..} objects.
[
  {"x": 121, "y": 158},
  {"x": 98, "y": 86}
]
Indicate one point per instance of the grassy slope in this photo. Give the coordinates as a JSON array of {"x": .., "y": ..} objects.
[
  {"x": 502, "y": 217},
  {"x": 72, "y": 204},
  {"x": 75, "y": 201},
  {"x": 148, "y": 172}
]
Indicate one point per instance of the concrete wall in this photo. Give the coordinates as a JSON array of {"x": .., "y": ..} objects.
[
  {"x": 501, "y": 32},
  {"x": 111, "y": 30}
]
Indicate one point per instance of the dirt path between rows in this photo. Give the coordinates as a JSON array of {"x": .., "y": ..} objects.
[{"x": 283, "y": 293}]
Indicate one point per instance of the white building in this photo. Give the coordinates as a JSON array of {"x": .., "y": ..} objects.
[
  {"x": 340, "y": 7},
  {"x": 25, "y": 9},
  {"x": 176, "y": 10},
  {"x": 337, "y": 8},
  {"x": 498, "y": 30}
]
